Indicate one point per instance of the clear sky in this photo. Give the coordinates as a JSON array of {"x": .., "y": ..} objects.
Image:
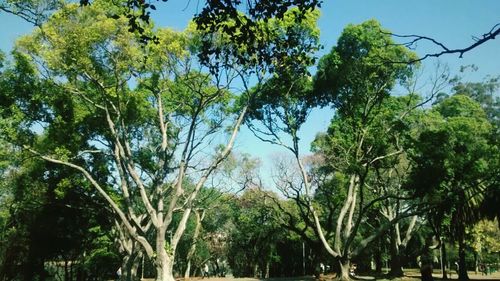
[{"x": 452, "y": 22}]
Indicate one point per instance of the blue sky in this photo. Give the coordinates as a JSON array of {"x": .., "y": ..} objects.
[{"x": 452, "y": 22}]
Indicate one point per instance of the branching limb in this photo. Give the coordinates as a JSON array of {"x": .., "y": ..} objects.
[
  {"x": 149, "y": 250},
  {"x": 414, "y": 39}
]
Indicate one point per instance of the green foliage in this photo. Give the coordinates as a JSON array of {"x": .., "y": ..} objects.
[
  {"x": 363, "y": 66},
  {"x": 454, "y": 163},
  {"x": 46, "y": 222},
  {"x": 485, "y": 235},
  {"x": 281, "y": 104},
  {"x": 255, "y": 234},
  {"x": 84, "y": 68},
  {"x": 102, "y": 255},
  {"x": 485, "y": 93},
  {"x": 270, "y": 34}
]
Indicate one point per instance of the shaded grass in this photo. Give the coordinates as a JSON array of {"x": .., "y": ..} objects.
[{"x": 410, "y": 275}]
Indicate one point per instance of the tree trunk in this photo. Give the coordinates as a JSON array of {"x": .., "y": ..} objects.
[
  {"x": 396, "y": 269},
  {"x": 125, "y": 268},
  {"x": 187, "y": 273},
  {"x": 192, "y": 250},
  {"x": 134, "y": 269},
  {"x": 426, "y": 272},
  {"x": 377, "y": 256},
  {"x": 476, "y": 262},
  {"x": 164, "y": 268},
  {"x": 462, "y": 268},
  {"x": 164, "y": 263},
  {"x": 267, "y": 270},
  {"x": 426, "y": 261},
  {"x": 256, "y": 270},
  {"x": 444, "y": 261},
  {"x": 344, "y": 268},
  {"x": 130, "y": 266}
]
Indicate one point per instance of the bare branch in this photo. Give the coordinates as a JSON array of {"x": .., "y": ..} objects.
[{"x": 414, "y": 39}]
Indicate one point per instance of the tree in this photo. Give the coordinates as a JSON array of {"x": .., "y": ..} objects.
[
  {"x": 35, "y": 12},
  {"x": 485, "y": 235},
  {"x": 485, "y": 93},
  {"x": 48, "y": 219},
  {"x": 216, "y": 13},
  {"x": 253, "y": 241},
  {"x": 354, "y": 79},
  {"x": 454, "y": 166},
  {"x": 97, "y": 66},
  {"x": 145, "y": 116},
  {"x": 33, "y": 192}
]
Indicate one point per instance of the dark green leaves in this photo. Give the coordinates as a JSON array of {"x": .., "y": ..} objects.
[{"x": 360, "y": 68}]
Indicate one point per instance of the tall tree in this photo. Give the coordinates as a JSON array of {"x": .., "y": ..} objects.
[
  {"x": 148, "y": 117},
  {"x": 355, "y": 80},
  {"x": 455, "y": 165}
]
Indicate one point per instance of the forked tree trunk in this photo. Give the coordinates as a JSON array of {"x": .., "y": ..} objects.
[
  {"x": 396, "y": 269},
  {"x": 344, "y": 268},
  {"x": 164, "y": 263},
  {"x": 164, "y": 267},
  {"x": 130, "y": 264}
]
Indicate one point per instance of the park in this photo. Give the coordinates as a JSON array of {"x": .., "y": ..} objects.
[{"x": 249, "y": 140}]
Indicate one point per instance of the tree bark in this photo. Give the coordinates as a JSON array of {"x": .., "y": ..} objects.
[
  {"x": 164, "y": 267},
  {"x": 256, "y": 270},
  {"x": 426, "y": 260},
  {"x": 135, "y": 267},
  {"x": 267, "y": 270},
  {"x": 444, "y": 258},
  {"x": 125, "y": 268},
  {"x": 192, "y": 250},
  {"x": 130, "y": 265},
  {"x": 462, "y": 267},
  {"x": 476, "y": 262},
  {"x": 164, "y": 263},
  {"x": 426, "y": 272},
  {"x": 187, "y": 273},
  {"x": 377, "y": 256},
  {"x": 66, "y": 271},
  {"x": 396, "y": 269},
  {"x": 344, "y": 268}
]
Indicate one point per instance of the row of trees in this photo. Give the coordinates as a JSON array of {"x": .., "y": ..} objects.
[{"x": 121, "y": 148}]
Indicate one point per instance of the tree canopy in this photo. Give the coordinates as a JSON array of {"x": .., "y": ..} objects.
[{"x": 118, "y": 148}]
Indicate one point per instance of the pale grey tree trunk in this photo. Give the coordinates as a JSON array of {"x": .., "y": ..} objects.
[
  {"x": 344, "y": 267},
  {"x": 267, "y": 269},
  {"x": 192, "y": 250}
]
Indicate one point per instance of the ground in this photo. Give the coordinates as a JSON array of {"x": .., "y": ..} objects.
[{"x": 411, "y": 275}]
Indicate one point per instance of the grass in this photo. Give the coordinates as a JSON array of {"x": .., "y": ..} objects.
[{"x": 410, "y": 275}]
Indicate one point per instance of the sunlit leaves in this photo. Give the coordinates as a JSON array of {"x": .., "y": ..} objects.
[
  {"x": 269, "y": 44},
  {"x": 360, "y": 68}
]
